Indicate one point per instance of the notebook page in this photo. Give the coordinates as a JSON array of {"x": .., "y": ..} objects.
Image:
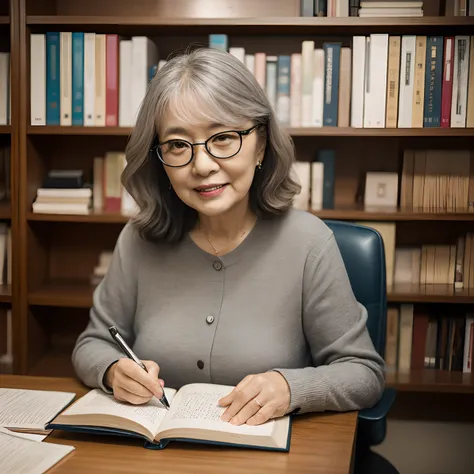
[
  {"x": 196, "y": 406},
  {"x": 24, "y": 456},
  {"x": 31, "y": 409},
  {"x": 97, "y": 402}
]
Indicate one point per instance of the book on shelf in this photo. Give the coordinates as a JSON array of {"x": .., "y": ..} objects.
[
  {"x": 194, "y": 416},
  {"x": 374, "y": 81},
  {"x": 417, "y": 339},
  {"x": 28, "y": 456}
]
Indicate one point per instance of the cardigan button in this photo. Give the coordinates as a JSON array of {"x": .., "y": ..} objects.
[
  {"x": 217, "y": 265},
  {"x": 200, "y": 364},
  {"x": 210, "y": 319}
]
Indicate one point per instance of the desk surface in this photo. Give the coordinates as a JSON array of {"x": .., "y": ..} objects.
[{"x": 321, "y": 443}]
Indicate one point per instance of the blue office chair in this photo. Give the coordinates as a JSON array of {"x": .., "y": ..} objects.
[{"x": 363, "y": 253}]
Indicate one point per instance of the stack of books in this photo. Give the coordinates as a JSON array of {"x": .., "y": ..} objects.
[
  {"x": 390, "y": 8},
  {"x": 63, "y": 201}
]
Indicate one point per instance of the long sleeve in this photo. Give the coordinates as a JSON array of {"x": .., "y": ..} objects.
[
  {"x": 114, "y": 303},
  {"x": 347, "y": 372}
]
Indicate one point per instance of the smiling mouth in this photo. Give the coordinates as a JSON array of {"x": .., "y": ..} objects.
[{"x": 209, "y": 189}]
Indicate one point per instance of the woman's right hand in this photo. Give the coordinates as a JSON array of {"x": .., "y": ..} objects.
[{"x": 130, "y": 383}]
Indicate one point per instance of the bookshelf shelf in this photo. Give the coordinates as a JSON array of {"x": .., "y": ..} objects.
[
  {"x": 296, "y": 132},
  {"x": 4, "y": 20},
  {"x": 260, "y": 22},
  {"x": 5, "y": 129},
  {"x": 431, "y": 380},
  {"x": 78, "y": 294},
  {"x": 94, "y": 217},
  {"x": 5, "y": 294},
  {"x": 336, "y": 214}
]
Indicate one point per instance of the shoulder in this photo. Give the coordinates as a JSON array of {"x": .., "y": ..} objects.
[{"x": 303, "y": 230}]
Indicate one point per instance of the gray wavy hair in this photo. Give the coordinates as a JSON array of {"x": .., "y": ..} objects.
[{"x": 230, "y": 93}]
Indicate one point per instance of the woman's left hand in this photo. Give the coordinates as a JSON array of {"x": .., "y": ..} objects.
[{"x": 256, "y": 399}]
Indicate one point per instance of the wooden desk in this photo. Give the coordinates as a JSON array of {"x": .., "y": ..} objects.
[{"x": 320, "y": 443}]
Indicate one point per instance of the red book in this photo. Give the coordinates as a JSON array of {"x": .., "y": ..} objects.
[
  {"x": 112, "y": 79},
  {"x": 447, "y": 88}
]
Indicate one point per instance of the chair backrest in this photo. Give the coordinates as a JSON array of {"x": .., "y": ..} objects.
[{"x": 363, "y": 253}]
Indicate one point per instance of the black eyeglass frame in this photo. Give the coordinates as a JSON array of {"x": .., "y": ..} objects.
[{"x": 241, "y": 134}]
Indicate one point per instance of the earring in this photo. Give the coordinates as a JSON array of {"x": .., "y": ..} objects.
[
  {"x": 259, "y": 165},
  {"x": 169, "y": 187}
]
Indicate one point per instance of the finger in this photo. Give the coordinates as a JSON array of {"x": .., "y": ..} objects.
[
  {"x": 133, "y": 386},
  {"x": 242, "y": 397},
  {"x": 228, "y": 399},
  {"x": 262, "y": 415},
  {"x": 135, "y": 372},
  {"x": 124, "y": 395},
  {"x": 248, "y": 411},
  {"x": 153, "y": 370}
]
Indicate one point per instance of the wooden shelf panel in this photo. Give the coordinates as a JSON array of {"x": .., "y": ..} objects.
[
  {"x": 261, "y": 22},
  {"x": 67, "y": 294},
  {"x": 401, "y": 293},
  {"x": 334, "y": 214},
  {"x": 294, "y": 131},
  {"x": 5, "y": 294},
  {"x": 78, "y": 294},
  {"x": 5, "y": 210},
  {"x": 431, "y": 380},
  {"x": 359, "y": 214},
  {"x": 94, "y": 217},
  {"x": 5, "y": 129},
  {"x": 55, "y": 363},
  {"x": 4, "y": 20}
]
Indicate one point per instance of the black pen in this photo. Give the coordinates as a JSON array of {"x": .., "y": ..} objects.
[{"x": 130, "y": 354}]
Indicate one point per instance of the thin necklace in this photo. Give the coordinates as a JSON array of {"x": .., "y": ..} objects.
[{"x": 210, "y": 243}]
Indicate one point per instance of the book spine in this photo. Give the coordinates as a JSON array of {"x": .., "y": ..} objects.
[
  {"x": 358, "y": 81},
  {"x": 393, "y": 83},
  {"x": 89, "y": 79},
  {"x": 447, "y": 88},
  {"x": 318, "y": 88},
  {"x": 407, "y": 76},
  {"x": 38, "y": 86},
  {"x": 52, "y": 79},
  {"x": 283, "y": 90},
  {"x": 295, "y": 90},
  {"x": 328, "y": 158},
  {"x": 125, "y": 65},
  {"x": 332, "y": 55},
  {"x": 307, "y": 74},
  {"x": 77, "y": 78},
  {"x": 66, "y": 78},
  {"x": 433, "y": 81},
  {"x": 419, "y": 82},
  {"x": 219, "y": 41},
  {"x": 470, "y": 91},
  {"x": 271, "y": 85},
  {"x": 460, "y": 81},
  {"x": 111, "y": 89}
]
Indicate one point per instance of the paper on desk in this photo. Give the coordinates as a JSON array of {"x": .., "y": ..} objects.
[
  {"x": 31, "y": 409},
  {"x": 31, "y": 436},
  {"x": 26, "y": 456}
]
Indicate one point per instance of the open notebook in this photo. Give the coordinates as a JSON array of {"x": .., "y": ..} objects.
[
  {"x": 30, "y": 411},
  {"x": 194, "y": 415}
]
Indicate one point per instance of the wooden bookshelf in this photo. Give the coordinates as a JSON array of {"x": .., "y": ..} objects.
[
  {"x": 296, "y": 132},
  {"x": 54, "y": 255}
]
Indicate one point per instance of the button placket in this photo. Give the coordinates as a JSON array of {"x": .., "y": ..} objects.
[{"x": 217, "y": 265}]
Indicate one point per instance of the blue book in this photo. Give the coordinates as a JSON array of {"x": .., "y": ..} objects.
[
  {"x": 328, "y": 158},
  {"x": 219, "y": 42},
  {"x": 332, "y": 60},
  {"x": 77, "y": 78},
  {"x": 53, "y": 108},
  {"x": 283, "y": 89},
  {"x": 433, "y": 81},
  {"x": 194, "y": 406}
]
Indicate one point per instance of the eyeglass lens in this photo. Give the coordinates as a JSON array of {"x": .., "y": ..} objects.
[{"x": 179, "y": 152}]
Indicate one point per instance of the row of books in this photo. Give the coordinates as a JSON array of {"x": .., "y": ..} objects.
[
  {"x": 89, "y": 79},
  {"x": 439, "y": 264},
  {"x": 381, "y": 81},
  {"x": 67, "y": 192},
  {"x": 417, "y": 340},
  {"x": 437, "y": 180},
  {"x": 367, "y": 8}
]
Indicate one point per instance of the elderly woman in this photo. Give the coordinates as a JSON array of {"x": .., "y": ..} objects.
[{"x": 218, "y": 279}]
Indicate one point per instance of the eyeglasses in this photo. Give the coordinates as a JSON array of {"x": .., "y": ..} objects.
[{"x": 178, "y": 152}]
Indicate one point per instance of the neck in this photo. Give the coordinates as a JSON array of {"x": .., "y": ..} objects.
[{"x": 228, "y": 226}]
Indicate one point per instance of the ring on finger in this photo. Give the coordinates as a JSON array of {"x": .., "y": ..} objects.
[{"x": 257, "y": 402}]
